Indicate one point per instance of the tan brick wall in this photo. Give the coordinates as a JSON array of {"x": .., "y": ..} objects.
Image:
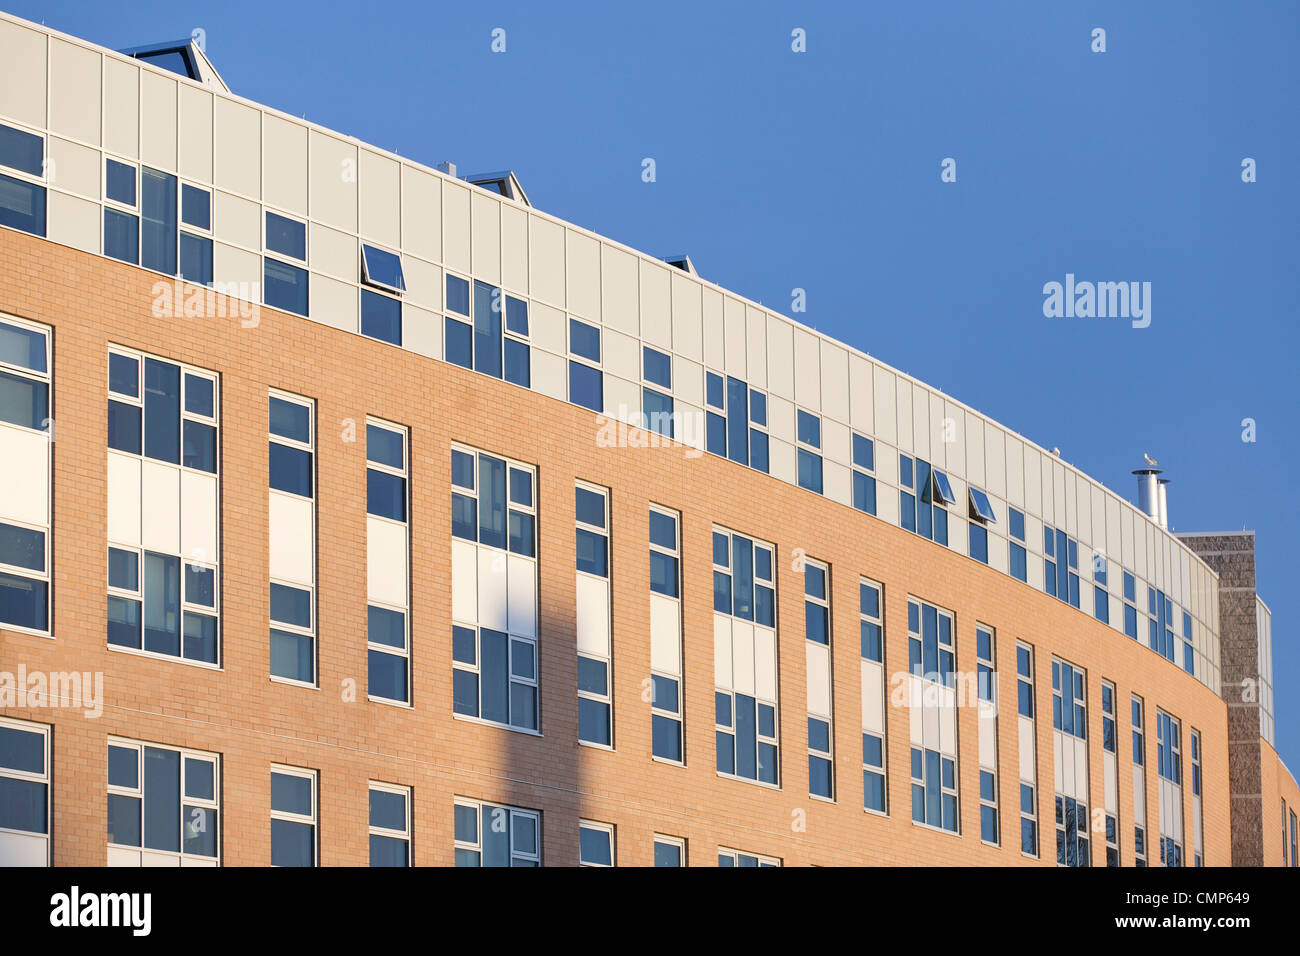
[{"x": 252, "y": 722}]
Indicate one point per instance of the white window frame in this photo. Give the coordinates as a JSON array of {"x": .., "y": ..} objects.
[
  {"x": 185, "y": 753},
  {"x": 823, "y": 602},
  {"x": 403, "y": 834},
  {"x": 878, "y": 620},
  {"x": 405, "y": 610},
  {"x": 679, "y": 843},
  {"x": 760, "y": 859},
  {"x": 608, "y": 830},
  {"x": 310, "y": 448},
  {"x": 512, "y": 813},
  {"x": 203, "y": 562},
  {"x": 311, "y": 818},
  {"x": 511, "y": 638},
  {"x": 46, "y": 529},
  {"x": 656, "y": 710},
  {"x": 607, "y": 661},
  {"x": 44, "y": 778},
  {"x": 775, "y": 739},
  {"x": 992, "y": 664}
]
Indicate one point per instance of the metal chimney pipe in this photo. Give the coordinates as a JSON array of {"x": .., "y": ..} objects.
[
  {"x": 1164, "y": 503},
  {"x": 1148, "y": 492}
]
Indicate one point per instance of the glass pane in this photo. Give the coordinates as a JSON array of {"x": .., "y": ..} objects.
[
  {"x": 458, "y": 337},
  {"x": 594, "y": 847},
  {"x": 737, "y": 421},
  {"x": 385, "y": 446},
  {"x": 487, "y": 329},
  {"x": 284, "y": 287},
  {"x": 387, "y": 676},
  {"x": 290, "y": 469},
  {"x": 385, "y": 495},
  {"x": 290, "y": 605},
  {"x": 290, "y": 420},
  {"x": 286, "y": 237},
  {"x": 199, "y": 832},
  {"x": 123, "y": 372},
  {"x": 521, "y": 534},
  {"x": 22, "y": 206},
  {"x": 584, "y": 340},
  {"x": 518, "y": 368},
  {"x": 388, "y": 810},
  {"x": 494, "y": 669},
  {"x": 123, "y": 820},
  {"x": 158, "y": 221},
  {"x": 196, "y": 207},
  {"x": 381, "y": 317},
  {"x": 162, "y": 411},
  {"x": 123, "y": 425},
  {"x": 25, "y": 348},
  {"x": 196, "y": 259},
  {"x": 121, "y": 236},
  {"x": 200, "y": 585},
  {"x": 492, "y": 501},
  {"x": 383, "y": 267},
  {"x": 592, "y": 676},
  {"x": 162, "y": 599},
  {"x": 200, "y": 779},
  {"x": 292, "y": 656},
  {"x": 119, "y": 182},
  {"x": 667, "y": 854},
  {"x": 593, "y": 721},
  {"x": 388, "y": 851},
  {"x": 386, "y": 627},
  {"x": 200, "y": 447},
  {"x": 162, "y": 799},
  {"x": 658, "y": 367},
  {"x": 592, "y": 552},
  {"x": 516, "y": 315},
  {"x": 667, "y": 737},
  {"x": 586, "y": 387},
  {"x": 22, "y": 750},
  {"x": 457, "y": 295},
  {"x": 200, "y": 638},
  {"x": 292, "y": 844},
  {"x": 291, "y": 793},
  {"x": 25, "y": 151},
  {"x": 123, "y": 622},
  {"x": 22, "y": 547}
]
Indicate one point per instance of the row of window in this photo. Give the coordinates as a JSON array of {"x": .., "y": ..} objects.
[{"x": 164, "y": 807}]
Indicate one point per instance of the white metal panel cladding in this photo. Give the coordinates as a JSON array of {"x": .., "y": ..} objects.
[{"x": 291, "y": 539}]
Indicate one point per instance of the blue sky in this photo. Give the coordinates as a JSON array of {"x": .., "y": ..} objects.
[{"x": 820, "y": 171}]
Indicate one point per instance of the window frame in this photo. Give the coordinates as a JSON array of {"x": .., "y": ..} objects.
[
  {"x": 45, "y": 778},
  {"x": 309, "y": 447},
  {"x": 403, "y": 835},
  {"x": 606, "y": 661},
  {"x": 138, "y": 792},
  {"x": 606, "y": 828},
  {"x": 372, "y": 646},
  {"x": 312, "y": 819}
]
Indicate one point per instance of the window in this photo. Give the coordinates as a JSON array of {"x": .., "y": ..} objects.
[
  {"x": 669, "y": 850},
  {"x": 809, "y": 435},
  {"x": 291, "y": 456},
  {"x": 147, "y": 234},
  {"x": 657, "y": 370},
  {"x": 1028, "y": 746},
  {"x": 595, "y": 696},
  {"x": 1295, "y": 859},
  {"x": 293, "y": 817},
  {"x": 740, "y": 858},
  {"x": 484, "y": 343},
  {"x": 986, "y": 679},
  {"x": 1161, "y": 624},
  {"x": 817, "y": 630},
  {"x": 284, "y": 285},
  {"x": 25, "y": 486},
  {"x": 1130, "y": 606},
  {"x": 1139, "y": 783},
  {"x": 1198, "y": 815},
  {"x": 381, "y": 317},
  {"x": 163, "y": 803},
  {"x": 1189, "y": 653},
  {"x": 390, "y": 825},
  {"x": 736, "y": 421},
  {"x": 864, "y": 482},
  {"x": 872, "y": 631},
  {"x": 494, "y": 641},
  {"x": 1071, "y": 832},
  {"x": 489, "y": 835},
  {"x": 24, "y": 793},
  {"x": 745, "y": 694},
  {"x": 1060, "y": 566},
  {"x": 595, "y": 844},
  {"x": 22, "y": 201},
  {"x": 163, "y": 426},
  {"x": 1028, "y": 820},
  {"x": 932, "y": 666},
  {"x": 665, "y": 636},
  {"x": 934, "y": 789},
  {"x": 921, "y": 499},
  {"x": 22, "y": 151},
  {"x": 586, "y": 386},
  {"x": 382, "y": 269},
  {"x": 981, "y": 516},
  {"x": 388, "y": 544},
  {"x": 1169, "y": 767},
  {"x": 1017, "y": 561},
  {"x": 1069, "y": 706},
  {"x": 931, "y": 653},
  {"x": 1108, "y": 717}
]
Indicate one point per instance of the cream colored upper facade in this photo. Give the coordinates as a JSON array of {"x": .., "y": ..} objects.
[{"x": 90, "y": 103}]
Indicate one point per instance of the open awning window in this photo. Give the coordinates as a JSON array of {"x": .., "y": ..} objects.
[
  {"x": 981, "y": 507},
  {"x": 382, "y": 269},
  {"x": 943, "y": 488}
]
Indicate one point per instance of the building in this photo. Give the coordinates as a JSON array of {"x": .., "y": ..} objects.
[{"x": 324, "y": 539}]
